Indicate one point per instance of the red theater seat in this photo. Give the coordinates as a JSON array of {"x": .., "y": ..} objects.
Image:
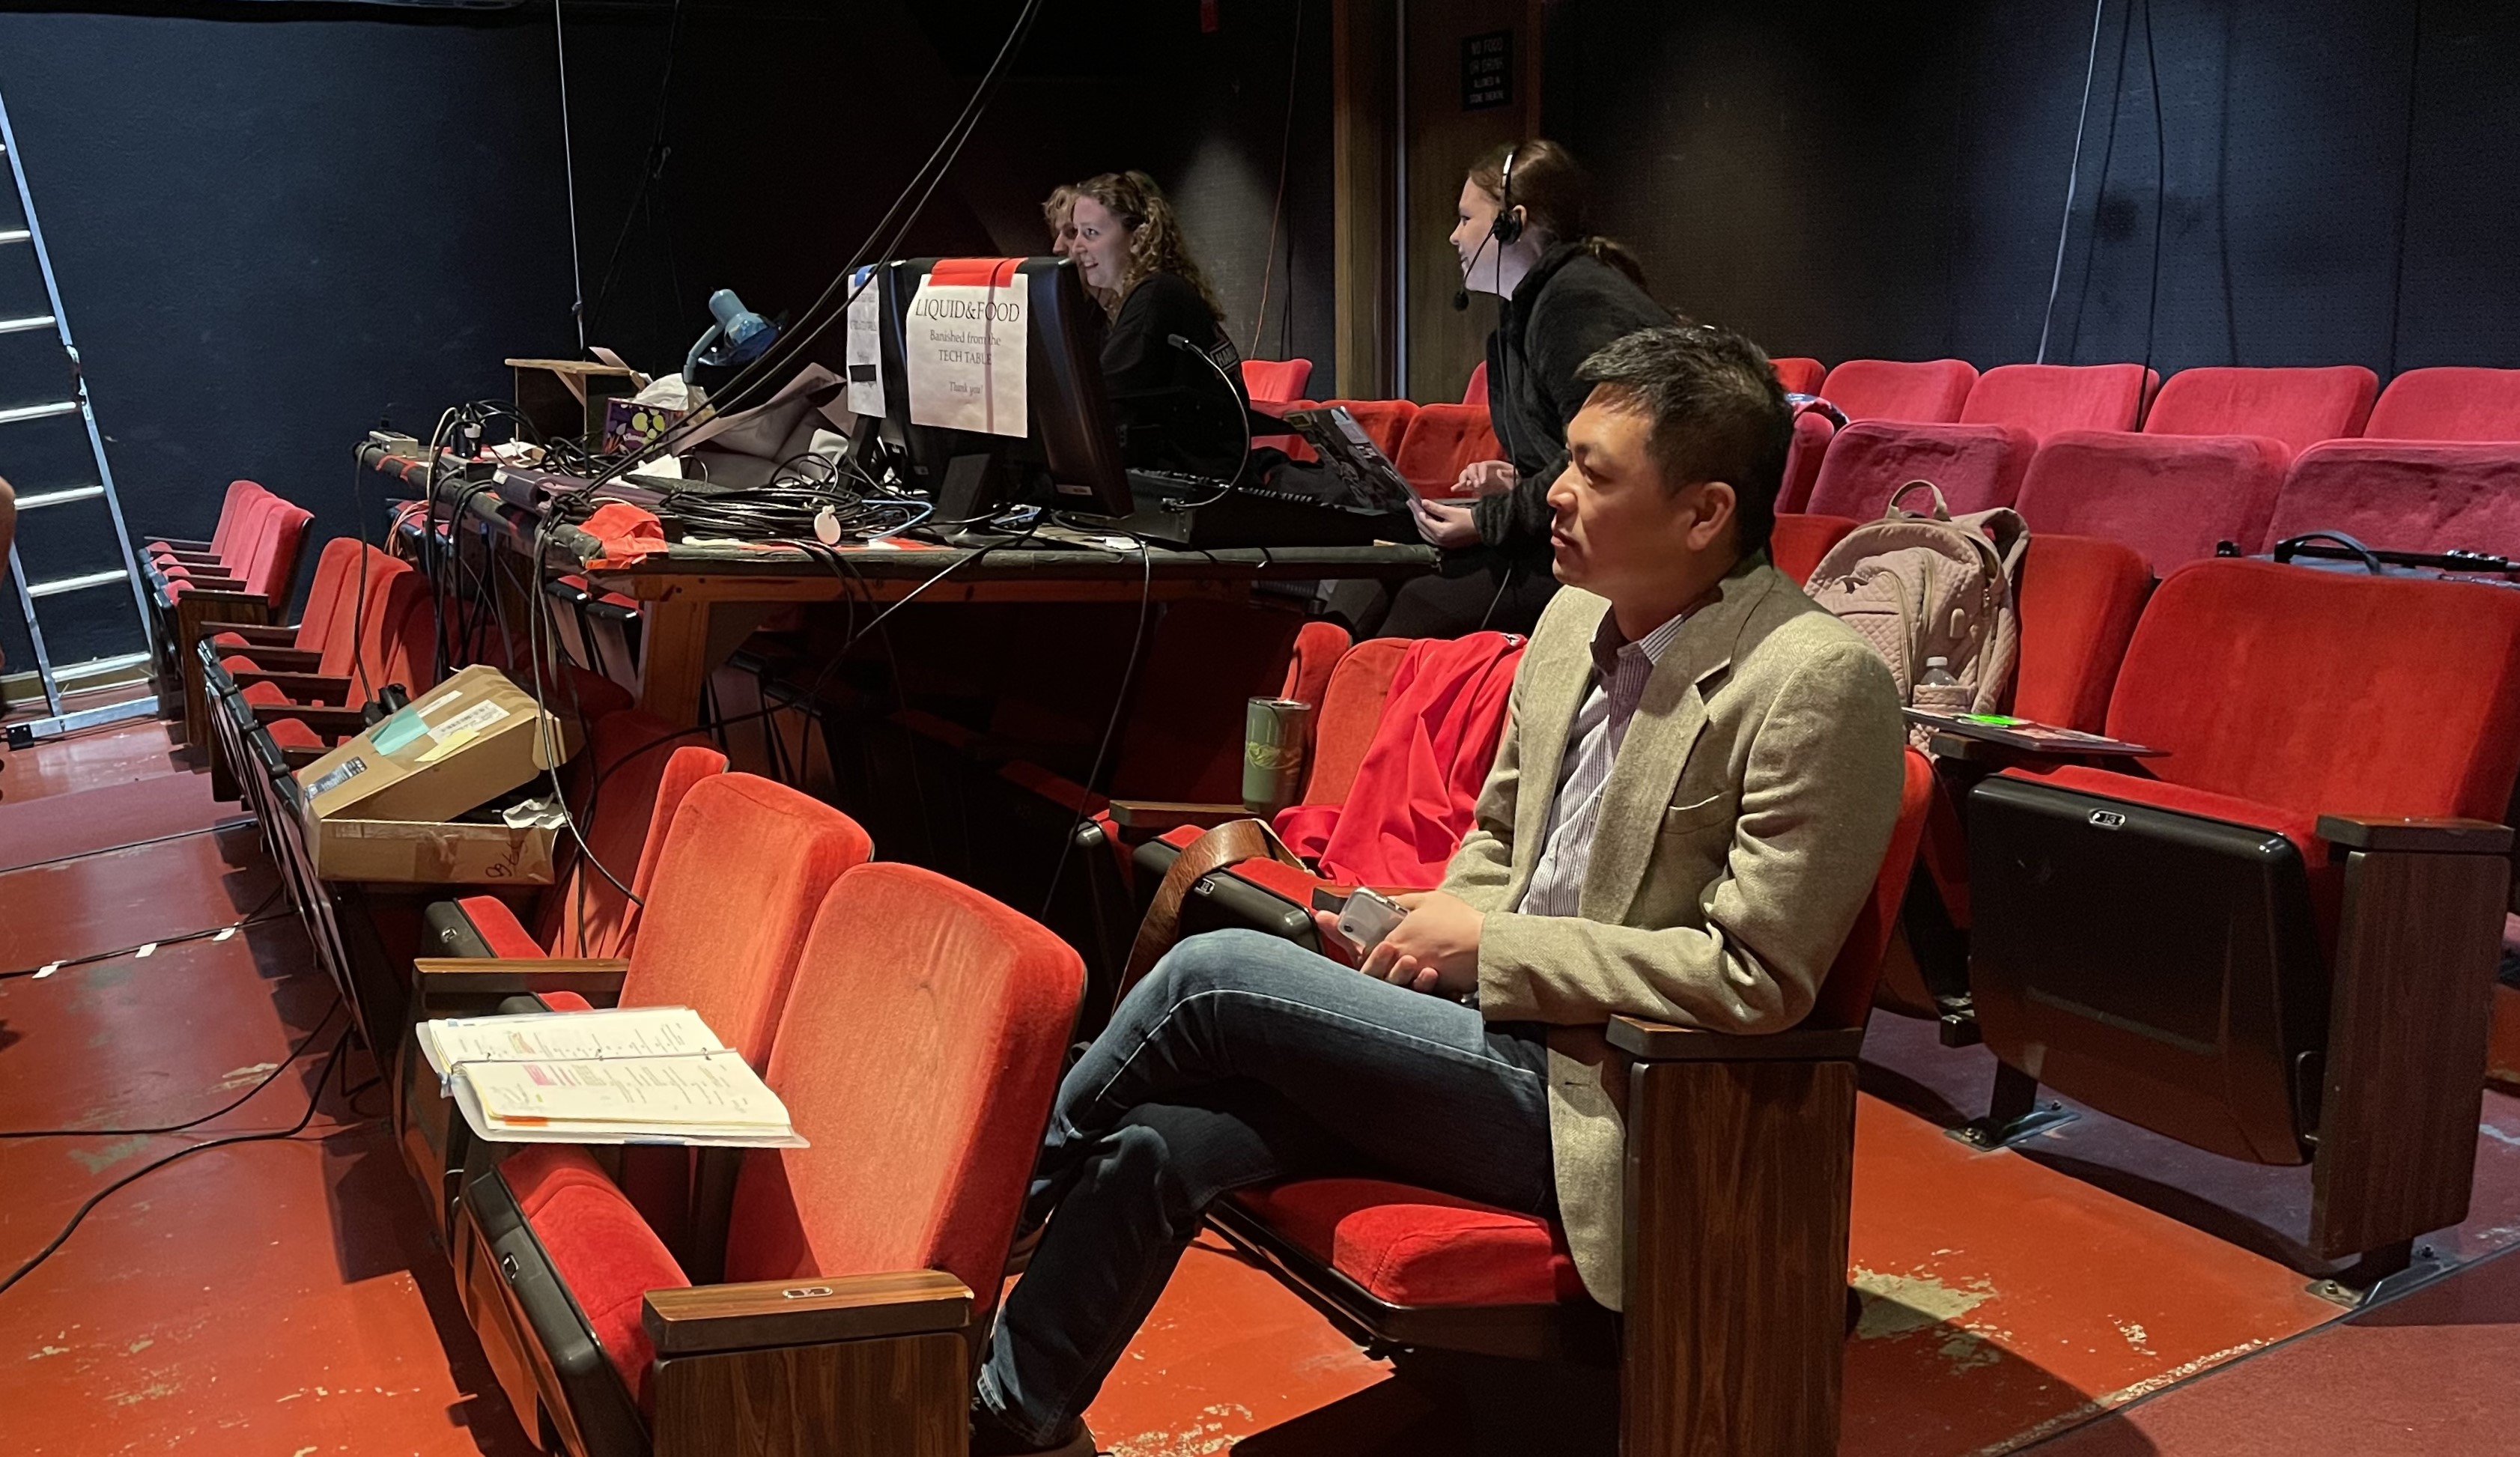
[
  {"x": 2172, "y": 940},
  {"x": 2449, "y": 404},
  {"x": 1800, "y": 539},
  {"x": 2299, "y": 407},
  {"x": 1799, "y": 376},
  {"x": 1813, "y": 433},
  {"x": 2406, "y": 496},
  {"x": 1477, "y": 391},
  {"x": 2171, "y": 497},
  {"x": 1442, "y": 441},
  {"x": 1929, "y": 392},
  {"x": 1267, "y": 380},
  {"x": 1415, "y": 1267},
  {"x": 2049, "y": 399},
  {"x": 917, "y": 1054},
  {"x": 1977, "y": 466},
  {"x": 730, "y": 957},
  {"x": 235, "y": 513},
  {"x": 1386, "y": 422}
]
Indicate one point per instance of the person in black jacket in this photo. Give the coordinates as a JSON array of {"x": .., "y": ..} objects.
[
  {"x": 1523, "y": 235},
  {"x": 1173, "y": 411}
]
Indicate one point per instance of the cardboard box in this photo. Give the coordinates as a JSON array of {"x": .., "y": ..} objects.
[{"x": 380, "y": 807}]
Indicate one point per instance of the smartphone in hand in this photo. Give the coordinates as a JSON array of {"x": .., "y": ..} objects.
[{"x": 1366, "y": 918}]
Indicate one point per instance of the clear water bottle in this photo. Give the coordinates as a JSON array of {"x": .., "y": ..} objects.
[{"x": 1938, "y": 674}]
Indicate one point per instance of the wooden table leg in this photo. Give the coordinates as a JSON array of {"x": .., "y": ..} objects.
[{"x": 682, "y": 639}]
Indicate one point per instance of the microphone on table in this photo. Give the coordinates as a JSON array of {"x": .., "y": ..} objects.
[{"x": 1242, "y": 411}]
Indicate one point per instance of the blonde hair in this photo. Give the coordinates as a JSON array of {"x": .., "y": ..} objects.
[
  {"x": 1155, "y": 243},
  {"x": 1055, "y": 208}
]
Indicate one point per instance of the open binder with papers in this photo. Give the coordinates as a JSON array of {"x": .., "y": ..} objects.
[{"x": 634, "y": 1074}]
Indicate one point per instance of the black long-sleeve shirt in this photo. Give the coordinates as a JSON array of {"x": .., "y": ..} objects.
[
  {"x": 1171, "y": 410},
  {"x": 1570, "y": 304}
]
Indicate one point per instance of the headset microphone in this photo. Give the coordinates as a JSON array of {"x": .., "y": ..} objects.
[{"x": 1461, "y": 294}]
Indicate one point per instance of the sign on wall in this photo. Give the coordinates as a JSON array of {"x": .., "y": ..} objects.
[{"x": 1487, "y": 70}]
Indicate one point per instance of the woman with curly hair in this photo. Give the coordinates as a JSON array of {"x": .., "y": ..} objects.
[{"x": 1173, "y": 411}]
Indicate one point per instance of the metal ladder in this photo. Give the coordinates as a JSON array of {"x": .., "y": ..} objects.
[{"x": 51, "y": 517}]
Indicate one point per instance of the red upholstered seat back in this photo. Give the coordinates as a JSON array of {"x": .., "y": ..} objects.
[
  {"x": 1443, "y": 440},
  {"x": 734, "y": 890},
  {"x": 2299, "y": 407},
  {"x": 2169, "y": 497},
  {"x": 918, "y": 1055},
  {"x": 1184, "y": 735},
  {"x": 362, "y": 650},
  {"x": 1408, "y": 804},
  {"x": 236, "y": 515},
  {"x": 2079, "y": 599},
  {"x": 1978, "y": 467},
  {"x": 2405, "y": 495},
  {"x": 1845, "y": 997},
  {"x": 2048, "y": 399},
  {"x": 1799, "y": 376},
  {"x": 1348, "y": 712},
  {"x": 2449, "y": 404},
  {"x": 1318, "y": 645},
  {"x": 333, "y": 595},
  {"x": 405, "y": 650},
  {"x": 1477, "y": 391},
  {"x": 1384, "y": 421},
  {"x": 1800, "y": 539},
  {"x": 1276, "y": 378},
  {"x": 2327, "y": 693},
  {"x": 270, "y": 571},
  {"x": 1812, "y": 432},
  {"x": 628, "y": 784},
  {"x": 1928, "y": 392}
]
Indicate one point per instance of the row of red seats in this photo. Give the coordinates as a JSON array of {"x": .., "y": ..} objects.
[
  {"x": 2174, "y": 497},
  {"x": 2299, "y": 407}
]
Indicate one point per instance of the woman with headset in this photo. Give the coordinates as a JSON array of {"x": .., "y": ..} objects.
[{"x": 1523, "y": 232}]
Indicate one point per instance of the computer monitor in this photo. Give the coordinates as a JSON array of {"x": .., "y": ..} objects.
[{"x": 1070, "y": 452}]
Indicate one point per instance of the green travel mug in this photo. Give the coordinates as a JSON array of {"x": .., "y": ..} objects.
[{"x": 1276, "y": 733}]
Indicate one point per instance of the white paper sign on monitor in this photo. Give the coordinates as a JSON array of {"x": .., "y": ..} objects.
[
  {"x": 866, "y": 344},
  {"x": 964, "y": 348}
]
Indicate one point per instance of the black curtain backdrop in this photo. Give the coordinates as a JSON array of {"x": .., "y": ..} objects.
[{"x": 2331, "y": 180}]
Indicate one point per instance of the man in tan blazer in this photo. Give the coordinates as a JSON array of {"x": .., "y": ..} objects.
[{"x": 1689, "y": 802}]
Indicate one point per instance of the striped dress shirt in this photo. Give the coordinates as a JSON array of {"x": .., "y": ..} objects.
[{"x": 1620, "y": 669}]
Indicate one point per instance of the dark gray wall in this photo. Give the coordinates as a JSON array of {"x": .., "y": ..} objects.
[
  {"x": 2337, "y": 180},
  {"x": 274, "y": 225}
]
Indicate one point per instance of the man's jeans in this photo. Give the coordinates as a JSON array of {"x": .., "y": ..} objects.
[{"x": 1245, "y": 1059}]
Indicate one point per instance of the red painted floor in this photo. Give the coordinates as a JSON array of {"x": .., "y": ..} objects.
[{"x": 2103, "y": 1295}]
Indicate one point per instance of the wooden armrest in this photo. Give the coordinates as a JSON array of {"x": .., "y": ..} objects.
[
  {"x": 183, "y": 543},
  {"x": 2427, "y": 836},
  {"x": 274, "y": 659},
  {"x": 512, "y": 976},
  {"x": 263, "y": 634},
  {"x": 318, "y": 686},
  {"x": 211, "y": 584},
  {"x": 804, "y": 1312},
  {"x": 322, "y": 717},
  {"x": 1156, "y": 815},
  {"x": 1660, "y": 1041},
  {"x": 296, "y": 758},
  {"x": 193, "y": 558}
]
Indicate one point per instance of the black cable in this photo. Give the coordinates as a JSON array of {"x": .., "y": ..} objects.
[
  {"x": 742, "y": 391},
  {"x": 241, "y": 1100},
  {"x": 1285, "y": 148},
  {"x": 152, "y": 1166},
  {"x": 1111, "y": 725},
  {"x": 2160, "y": 185},
  {"x": 251, "y": 918},
  {"x": 652, "y": 170}
]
